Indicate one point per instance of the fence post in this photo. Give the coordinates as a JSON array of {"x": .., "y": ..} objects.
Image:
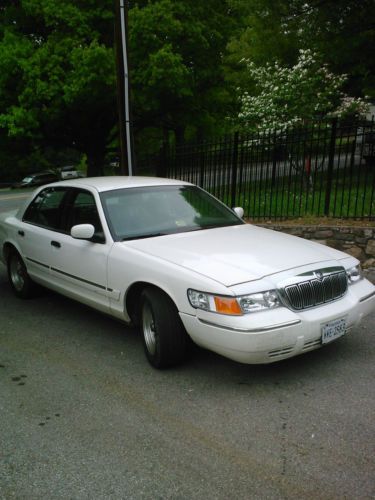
[
  {"x": 331, "y": 159},
  {"x": 201, "y": 167},
  {"x": 161, "y": 167},
  {"x": 234, "y": 169}
]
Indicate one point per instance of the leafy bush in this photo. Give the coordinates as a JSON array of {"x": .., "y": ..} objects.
[{"x": 287, "y": 96}]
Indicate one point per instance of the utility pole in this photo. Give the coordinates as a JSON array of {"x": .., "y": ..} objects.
[{"x": 123, "y": 87}]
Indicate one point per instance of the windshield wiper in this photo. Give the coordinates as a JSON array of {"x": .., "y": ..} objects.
[
  {"x": 217, "y": 225},
  {"x": 143, "y": 236}
]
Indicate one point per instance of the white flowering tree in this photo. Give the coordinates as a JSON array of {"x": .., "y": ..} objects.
[{"x": 285, "y": 96}]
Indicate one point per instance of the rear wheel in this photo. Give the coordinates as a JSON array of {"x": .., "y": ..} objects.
[
  {"x": 21, "y": 283},
  {"x": 165, "y": 340}
]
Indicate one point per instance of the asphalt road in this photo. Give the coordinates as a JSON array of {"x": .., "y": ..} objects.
[
  {"x": 10, "y": 200},
  {"x": 83, "y": 416}
]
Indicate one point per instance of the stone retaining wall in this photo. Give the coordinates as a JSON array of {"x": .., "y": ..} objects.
[{"x": 354, "y": 240}]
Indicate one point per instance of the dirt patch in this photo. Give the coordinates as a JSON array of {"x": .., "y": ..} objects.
[{"x": 315, "y": 221}]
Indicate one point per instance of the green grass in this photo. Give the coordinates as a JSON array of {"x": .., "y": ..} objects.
[{"x": 290, "y": 197}]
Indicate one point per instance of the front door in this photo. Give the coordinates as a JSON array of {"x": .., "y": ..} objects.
[{"x": 79, "y": 267}]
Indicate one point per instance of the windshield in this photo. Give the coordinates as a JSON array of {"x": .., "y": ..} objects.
[
  {"x": 156, "y": 211},
  {"x": 27, "y": 179}
]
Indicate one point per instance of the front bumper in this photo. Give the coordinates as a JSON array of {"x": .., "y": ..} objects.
[{"x": 270, "y": 336}]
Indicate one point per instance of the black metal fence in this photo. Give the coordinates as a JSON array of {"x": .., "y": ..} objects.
[{"x": 323, "y": 169}]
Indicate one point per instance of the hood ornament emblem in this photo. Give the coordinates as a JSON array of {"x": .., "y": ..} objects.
[{"x": 318, "y": 275}]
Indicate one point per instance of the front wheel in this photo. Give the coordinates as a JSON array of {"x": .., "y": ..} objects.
[
  {"x": 165, "y": 340},
  {"x": 21, "y": 283}
]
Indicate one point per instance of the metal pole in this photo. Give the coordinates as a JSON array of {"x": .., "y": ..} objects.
[
  {"x": 123, "y": 15},
  {"x": 331, "y": 160},
  {"x": 120, "y": 90}
]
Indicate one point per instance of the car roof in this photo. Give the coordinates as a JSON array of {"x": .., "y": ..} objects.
[
  {"x": 39, "y": 174},
  {"x": 120, "y": 182}
]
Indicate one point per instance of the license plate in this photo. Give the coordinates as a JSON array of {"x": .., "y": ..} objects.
[{"x": 333, "y": 330}]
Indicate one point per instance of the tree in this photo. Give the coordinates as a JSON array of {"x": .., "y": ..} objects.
[
  {"x": 176, "y": 56},
  {"x": 57, "y": 77},
  {"x": 289, "y": 95},
  {"x": 342, "y": 32}
]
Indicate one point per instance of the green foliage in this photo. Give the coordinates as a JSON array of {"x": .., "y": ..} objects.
[
  {"x": 57, "y": 69},
  {"x": 342, "y": 31},
  {"x": 176, "y": 63},
  {"x": 57, "y": 83}
]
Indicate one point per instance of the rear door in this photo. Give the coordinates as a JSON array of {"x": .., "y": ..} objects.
[{"x": 41, "y": 222}]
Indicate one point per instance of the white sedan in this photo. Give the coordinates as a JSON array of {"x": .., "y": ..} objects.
[{"x": 167, "y": 256}]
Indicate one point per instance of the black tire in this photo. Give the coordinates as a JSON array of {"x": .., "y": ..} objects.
[
  {"x": 21, "y": 283},
  {"x": 165, "y": 340}
]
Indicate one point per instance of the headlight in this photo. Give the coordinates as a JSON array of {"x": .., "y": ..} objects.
[
  {"x": 354, "y": 274},
  {"x": 234, "y": 306},
  {"x": 259, "y": 301}
]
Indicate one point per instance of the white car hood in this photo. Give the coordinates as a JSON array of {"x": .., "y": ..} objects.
[{"x": 236, "y": 254}]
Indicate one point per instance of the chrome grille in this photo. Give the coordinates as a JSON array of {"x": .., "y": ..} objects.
[{"x": 315, "y": 291}]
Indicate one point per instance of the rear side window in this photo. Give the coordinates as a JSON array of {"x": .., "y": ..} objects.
[{"x": 46, "y": 209}]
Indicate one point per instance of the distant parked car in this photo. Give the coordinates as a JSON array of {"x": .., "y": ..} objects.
[
  {"x": 34, "y": 180},
  {"x": 69, "y": 172}
]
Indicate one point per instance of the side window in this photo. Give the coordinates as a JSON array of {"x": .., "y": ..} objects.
[
  {"x": 46, "y": 209},
  {"x": 84, "y": 211}
]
